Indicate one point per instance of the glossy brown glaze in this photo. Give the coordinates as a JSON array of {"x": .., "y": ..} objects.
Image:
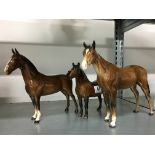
[
  {"x": 84, "y": 88},
  {"x": 38, "y": 84},
  {"x": 111, "y": 78}
]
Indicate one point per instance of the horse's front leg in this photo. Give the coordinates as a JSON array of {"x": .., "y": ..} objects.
[
  {"x": 113, "y": 108},
  {"x": 107, "y": 103},
  {"x": 37, "y": 101},
  {"x": 35, "y": 108}
]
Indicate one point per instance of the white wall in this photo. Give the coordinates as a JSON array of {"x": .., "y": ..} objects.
[
  {"x": 52, "y": 45},
  {"x": 57, "y": 32}
]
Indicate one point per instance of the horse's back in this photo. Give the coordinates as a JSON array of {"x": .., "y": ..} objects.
[
  {"x": 138, "y": 70},
  {"x": 65, "y": 81},
  {"x": 130, "y": 76}
]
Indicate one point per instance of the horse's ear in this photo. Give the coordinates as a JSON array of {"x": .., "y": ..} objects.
[
  {"x": 13, "y": 51},
  {"x": 73, "y": 64},
  {"x": 78, "y": 64},
  {"x": 93, "y": 44},
  {"x": 84, "y": 44},
  {"x": 17, "y": 52}
]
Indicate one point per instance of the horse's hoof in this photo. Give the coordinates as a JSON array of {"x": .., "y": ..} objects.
[
  {"x": 106, "y": 120},
  {"x": 76, "y": 111},
  {"x": 135, "y": 111},
  {"x": 32, "y": 118},
  {"x": 151, "y": 113},
  {"x": 66, "y": 110},
  {"x": 112, "y": 126},
  {"x": 85, "y": 116},
  {"x": 98, "y": 109},
  {"x": 80, "y": 115},
  {"x": 36, "y": 122}
]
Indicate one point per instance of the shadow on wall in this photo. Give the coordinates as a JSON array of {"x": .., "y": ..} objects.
[
  {"x": 109, "y": 42},
  {"x": 69, "y": 32},
  {"x": 107, "y": 50}
]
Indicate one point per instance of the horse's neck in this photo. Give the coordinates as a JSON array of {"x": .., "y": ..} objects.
[
  {"x": 80, "y": 79},
  {"x": 100, "y": 65},
  {"x": 27, "y": 73}
]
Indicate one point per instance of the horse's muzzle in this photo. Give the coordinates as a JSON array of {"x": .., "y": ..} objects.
[
  {"x": 6, "y": 69},
  {"x": 84, "y": 64}
]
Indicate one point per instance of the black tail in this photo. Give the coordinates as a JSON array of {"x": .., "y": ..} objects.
[{"x": 148, "y": 88}]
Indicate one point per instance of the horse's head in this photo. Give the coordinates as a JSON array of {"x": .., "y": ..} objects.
[
  {"x": 13, "y": 63},
  {"x": 75, "y": 71},
  {"x": 89, "y": 54}
]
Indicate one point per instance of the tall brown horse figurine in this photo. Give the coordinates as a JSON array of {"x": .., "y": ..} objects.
[
  {"x": 84, "y": 88},
  {"x": 111, "y": 78},
  {"x": 38, "y": 84}
]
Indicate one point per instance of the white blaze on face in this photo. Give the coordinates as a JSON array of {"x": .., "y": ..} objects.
[
  {"x": 7, "y": 66},
  {"x": 84, "y": 62}
]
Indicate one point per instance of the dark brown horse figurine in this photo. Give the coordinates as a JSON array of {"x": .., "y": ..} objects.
[
  {"x": 111, "y": 78},
  {"x": 38, "y": 84},
  {"x": 84, "y": 88}
]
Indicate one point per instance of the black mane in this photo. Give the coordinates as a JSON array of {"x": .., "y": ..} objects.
[
  {"x": 30, "y": 64},
  {"x": 83, "y": 74}
]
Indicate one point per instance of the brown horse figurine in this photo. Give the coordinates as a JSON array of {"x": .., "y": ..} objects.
[
  {"x": 38, "y": 84},
  {"x": 111, "y": 78},
  {"x": 84, "y": 88}
]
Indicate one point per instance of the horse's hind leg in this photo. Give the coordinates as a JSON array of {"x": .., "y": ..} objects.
[
  {"x": 68, "y": 101},
  {"x": 100, "y": 103},
  {"x": 86, "y": 100},
  {"x": 136, "y": 94},
  {"x": 146, "y": 90}
]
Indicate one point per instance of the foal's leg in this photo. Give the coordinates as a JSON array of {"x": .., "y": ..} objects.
[
  {"x": 37, "y": 100},
  {"x": 100, "y": 102},
  {"x": 136, "y": 94},
  {"x": 68, "y": 103},
  {"x": 76, "y": 105},
  {"x": 68, "y": 100},
  {"x": 145, "y": 88},
  {"x": 113, "y": 108},
  {"x": 86, "y": 100},
  {"x": 81, "y": 106},
  {"x": 107, "y": 103}
]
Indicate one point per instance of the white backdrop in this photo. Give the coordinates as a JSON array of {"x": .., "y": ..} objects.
[{"x": 52, "y": 45}]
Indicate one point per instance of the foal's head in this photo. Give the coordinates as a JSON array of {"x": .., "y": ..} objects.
[
  {"x": 14, "y": 62},
  {"x": 89, "y": 54},
  {"x": 75, "y": 71}
]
